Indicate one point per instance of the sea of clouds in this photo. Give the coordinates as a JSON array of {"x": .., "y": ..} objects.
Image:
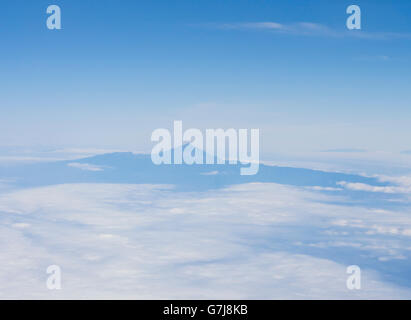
[{"x": 251, "y": 241}]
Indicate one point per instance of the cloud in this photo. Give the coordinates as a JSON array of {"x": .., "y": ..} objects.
[
  {"x": 85, "y": 166},
  {"x": 299, "y": 28},
  {"x": 375, "y": 58},
  {"x": 345, "y": 150},
  {"x": 16, "y": 154},
  {"x": 147, "y": 241},
  {"x": 255, "y": 25},
  {"x": 356, "y": 186},
  {"x": 403, "y": 181},
  {"x": 318, "y": 188},
  {"x": 403, "y": 185},
  {"x": 211, "y": 173},
  {"x": 20, "y": 225},
  {"x": 310, "y": 29}
]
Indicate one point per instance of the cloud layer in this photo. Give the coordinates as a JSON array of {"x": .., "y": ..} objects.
[{"x": 145, "y": 241}]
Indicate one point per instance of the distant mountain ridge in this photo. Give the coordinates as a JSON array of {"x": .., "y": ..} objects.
[{"x": 126, "y": 167}]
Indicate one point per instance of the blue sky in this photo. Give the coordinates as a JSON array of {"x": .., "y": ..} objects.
[{"x": 120, "y": 69}]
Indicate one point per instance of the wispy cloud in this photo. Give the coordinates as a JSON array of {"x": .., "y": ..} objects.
[
  {"x": 375, "y": 58},
  {"x": 310, "y": 29},
  {"x": 299, "y": 28},
  {"x": 402, "y": 185},
  {"x": 85, "y": 166},
  {"x": 356, "y": 186},
  {"x": 345, "y": 150}
]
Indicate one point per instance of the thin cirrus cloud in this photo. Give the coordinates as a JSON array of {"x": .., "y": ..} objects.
[
  {"x": 302, "y": 28},
  {"x": 310, "y": 29},
  {"x": 85, "y": 166}
]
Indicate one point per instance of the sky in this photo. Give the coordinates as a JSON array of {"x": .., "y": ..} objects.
[
  {"x": 118, "y": 70},
  {"x": 335, "y": 99}
]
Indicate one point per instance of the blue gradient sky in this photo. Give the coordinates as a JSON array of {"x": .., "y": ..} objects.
[{"x": 120, "y": 69}]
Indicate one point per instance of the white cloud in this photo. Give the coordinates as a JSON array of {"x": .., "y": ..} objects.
[
  {"x": 211, "y": 173},
  {"x": 356, "y": 186},
  {"x": 403, "y": 181},
  {"x": 313, "y": 29},
  {"x": 318, "y": 188},
  {"x": 299, "y": 28},
  {"x": 256, "y": 25},
  {"x": 146, "y": 241},
  {"x": 85, "y": 166},
  {"x": 20, "y": 225}
]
